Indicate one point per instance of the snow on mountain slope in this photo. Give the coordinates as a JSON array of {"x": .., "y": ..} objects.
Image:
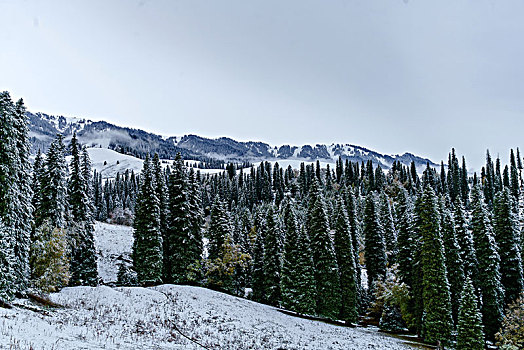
[
  {"x": 145, "y": 318},
  {"x": 112, "y": 243}
]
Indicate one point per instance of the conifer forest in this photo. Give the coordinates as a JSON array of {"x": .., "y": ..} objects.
[{"x": 434, "y": 252}]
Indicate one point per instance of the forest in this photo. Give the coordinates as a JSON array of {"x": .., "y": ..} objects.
[{"x": 437, "y": 253}]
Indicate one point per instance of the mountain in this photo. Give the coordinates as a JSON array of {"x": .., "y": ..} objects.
[{"x": 213, "y": 152}]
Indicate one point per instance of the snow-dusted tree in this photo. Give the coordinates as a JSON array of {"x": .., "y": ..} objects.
[
  {"x": 326, "y": 269},
  {"x": 354, "y": 226},
  {"x": 126, "y": 277},
  {"x": 488, "y": 265},
  {"x": 452, "y": 255},
  {"x": 219, "y": 228},
  {"x": 54, "y": 204},
  {"x": 196, "y": 217},
  {"x": 7, "y": 281},
  {"x": 470, "y": 335},
  {"x": 465, "y": 241},
  {"x": 346, "y": 265},
  {"x": 258, "y": 276},
  {"x": 375, "y": 245},
  {"x": 147, "y": 246},
  {"x": 505, "y": 227},
  {"x": 272, "y": 258},
  {"x": 438, "y": 322},
  {"x": 177, "y": 236},
  {"x": 83, "y": 253},
  {"x": 388, "y": 225}
]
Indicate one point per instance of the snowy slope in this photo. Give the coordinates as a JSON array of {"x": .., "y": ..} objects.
[
  {"x": 148, "y": 318},
  {"x": 145, "y": 318}
]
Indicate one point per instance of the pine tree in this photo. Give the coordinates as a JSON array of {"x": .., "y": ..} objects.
[
  {"x": 470, "y": 335},
  {"x": 438, "y": 322},
  {"x": 272, "y": 259},
  {"x": 354, "y": 226},
  {"x": 83, "y": 254},
  {"x": 375, "y": 246},
  {"x": 488, "y": 265},
  {"x": 53, "y": 204},
  {"x": 147, "y": 246},
  {"x": 258, "y": 276},
  {"x": 405, "y": 237},
  {"x": 506, "y": 236},
  {"x": 346, "y": 265},
  {"x": 453, "y": 261},
  {"x": 7, "y": 280},
  {"x": 465, "y": 241},
  {"x": 195, "y": 245},
  {"x": 388, "y": 225},
  {"x": 219, "y": 227},
  {"x": 178, "y": 231},
  {"x": 326, "y": 269}
]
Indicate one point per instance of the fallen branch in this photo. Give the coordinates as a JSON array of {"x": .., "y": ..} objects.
[
  {"x": 31, "y": 308},
  {"x": 42, "y": 300},
  {"x": 187, "y": 337},
  {"x": 5, "y": 304}
]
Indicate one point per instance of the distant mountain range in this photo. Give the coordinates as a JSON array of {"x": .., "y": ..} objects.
[{"x": 43, "y": 128}]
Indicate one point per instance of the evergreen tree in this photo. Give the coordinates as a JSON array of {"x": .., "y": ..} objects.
[
  {"x": 147, "y": 246},
  {"x": 465, "y": 241},
  {"x": 405, "y": 237},
  {"x": 438, "y": 322},
  {"x": 470, "y": 335},
  {"x": 178, "y": 231},
  {"x": 453, "y": 260},
  {"x": 195, "y": 245},
  {"x": 354, "y": 226},
  {"x": 390, "y": 232},
  {"x": 346, "y": 265},
  {"x": 219, "y": 227},
  {"x": 272, "y": 259},
  {"x": 326, "y": 269},
  {"x": 506, "y": 236},
  {"x": 488, "y": 265},
  {"x": 258, "y": 276},
  {"x": 375, "y": 246}
]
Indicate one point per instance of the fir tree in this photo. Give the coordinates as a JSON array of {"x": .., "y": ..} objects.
[
  {"x": 388, "y": 225},
  {"x": 453, "y": 260},
  {"x": 346, "y": 265},
  {"x": 272, "y": 259},
  {"x": 438, "y": 322},
  {"x": 470, "y": 335},
  {"x": 326, "y": 269},
  {"x": 488, "y": 265},
  {"x": 375, "y": 246},
  {"x": 219, "y": 227},
  {"x": 465, "y": 241},
  {"x": 354, "y": 226},
  {"x": 147, "y": 246},
  {"x": 258, "y": 276},
  {"x": 506, "y": 236}
]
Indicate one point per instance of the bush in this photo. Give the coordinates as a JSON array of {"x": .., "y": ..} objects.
[{"x": 512, "y": 333}]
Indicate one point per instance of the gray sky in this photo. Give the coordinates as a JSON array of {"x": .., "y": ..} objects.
[{"x": 391, "y": 75}]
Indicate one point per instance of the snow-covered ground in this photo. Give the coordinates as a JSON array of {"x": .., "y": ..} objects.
[
  {"x": 112, "y": 243},
  {"x": 148, "y": 318},
  {"x": 156, "y": 318}
]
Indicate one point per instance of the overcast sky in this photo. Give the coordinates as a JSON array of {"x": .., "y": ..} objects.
[{"x": 391, "y": 75}]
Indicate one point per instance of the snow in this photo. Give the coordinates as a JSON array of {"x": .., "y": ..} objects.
[
  {"x": 148, "y": 318},
  {"x": 112, "y": 242},
  {"x": 132, "y": 318}
]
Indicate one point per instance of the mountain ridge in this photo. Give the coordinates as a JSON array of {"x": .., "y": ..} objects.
[{"x": 137, "y": 142}]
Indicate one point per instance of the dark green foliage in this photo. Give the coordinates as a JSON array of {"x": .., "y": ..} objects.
[
  {"x": 354, "y": 226},
  {"x": 505, "y": 227},
  {"x": 438, "y": 322},
  {"x": 488, "y": 265},
  {"x": 258, "y": 276},
  {"x": 465, "y": 241},
  {"x": 147, "y": 246},
  {"x": 346, "y": 265},
  {"x": 390, "y": 231},
  {"x": 219, "y": 227},
  {"x": 272, "y": 258},
  {"x": 324, "y": 259},
  {"x": 452, "y": 256},
  {"x": 375, "y": 252},
  {"x": 469, "y": 329}
]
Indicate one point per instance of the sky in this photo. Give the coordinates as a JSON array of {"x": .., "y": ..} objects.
[{"x": 392, "y": 75}]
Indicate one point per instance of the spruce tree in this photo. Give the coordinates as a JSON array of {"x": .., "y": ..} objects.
[
  {"x": 219, "y": 228},
  {"x": 453, "y": 260},
  {"x": 488, "y": 265},
  {"x": 147, "y": 246},
  {"x": 405, "y": 237},
  {"x": 390, "y": 231},
  {"x": 375, "y": 246},
  {"x": 272, "y": 259},
  {"x": 505, "y": 227},
  {"x": 326, "y": 268},
  {"x": 195, "y": 245},
  {"x": 354, "y": 226},
  {"x": 178, "y": 231},
  {"x": 258, "y": 275},
  {"x": 465, "y": 241},
  {"x": 438, "y": 322},
  {"x": 470, "y": 335},
  {"x": 346, "y": 265}
]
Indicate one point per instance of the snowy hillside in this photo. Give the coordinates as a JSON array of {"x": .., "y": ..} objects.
[
  {"x": 152, "y": 318},
  {"x": 148, "y": 318}
]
